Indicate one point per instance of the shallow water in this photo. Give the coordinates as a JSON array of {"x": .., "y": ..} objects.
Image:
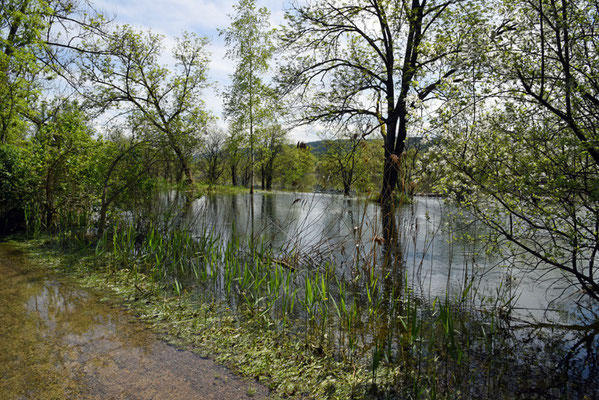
[
  {"x": 59, "y": 341},
  {"x": 327, "y": 227}
]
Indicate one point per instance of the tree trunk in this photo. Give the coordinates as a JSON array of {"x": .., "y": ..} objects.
[
  {"x": 185, "y": 168},
  {"x": 347, "y": 180},
  {"x": 102, "y": 221},
  {"x": 187, "y": 171},
  {"x": 179, "y": 176},
  {"x": 234, "y": 174},
  {"x": 389, "y": 166},
  {"x": 346, "y": 189},
  {"x": 392, "y": 253},
  {"x": 269, "y": 181}
]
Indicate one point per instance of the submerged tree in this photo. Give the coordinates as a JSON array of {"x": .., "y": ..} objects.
[
  {"x": 373, "y": 58},
  {"x": 529, "y": 166},
  {"x": 249, "y": 43}
]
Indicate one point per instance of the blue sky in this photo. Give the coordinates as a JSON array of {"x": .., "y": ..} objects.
[{"x": 204, "y": 17}]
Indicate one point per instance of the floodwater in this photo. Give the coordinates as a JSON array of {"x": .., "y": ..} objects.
[
  {"x": 334, "y": 228},
  {"x": 548, "y": 337},
  {"x": 59, "y": 341}
]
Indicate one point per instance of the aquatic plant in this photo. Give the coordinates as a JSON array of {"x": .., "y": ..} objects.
[{"x": 371, "y": 315}]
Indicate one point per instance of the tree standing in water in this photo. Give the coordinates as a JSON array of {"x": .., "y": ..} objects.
[
  {"x": 249, "y": 42},
  {"x": 374, "y": 58}
]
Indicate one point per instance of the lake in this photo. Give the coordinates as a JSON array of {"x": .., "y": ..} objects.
[
  {"x": 428, "y": 293},
  {"x": 437, "y": 259}
]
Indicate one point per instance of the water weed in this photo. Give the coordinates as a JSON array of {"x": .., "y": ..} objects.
[{"x": 356, "y": 331}]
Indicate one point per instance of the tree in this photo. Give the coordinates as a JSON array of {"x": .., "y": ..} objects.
[
  {"x": 296, "y": 167},
  {"x": 16, "y": 186},
  {"x": 345, "y": 161},
  {"x": 234, "y": 151},
  {"x": 123, "y": 68},
  {"x": 211, "y": 157},
  {"x": 375, "y": 58},
  {"x": 62, "y": 146},
  {"x": 249, "y": 42},
  {"x": 47, "y": 139},
  {"x": 271, "y": 141},
  {"x": 123, "y": 169},
  {"x": 35, "y": 39},
  {"x": 46, "y": 179},
  {"x": 528, "y": 166},
  {"x": 351, "y": 162}
]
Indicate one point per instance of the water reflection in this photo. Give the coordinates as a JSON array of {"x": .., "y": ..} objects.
[
  {"x": 424, "y": 236},
  {"x": 521, "y": 335},
  {"x": 58, "y": 341}
]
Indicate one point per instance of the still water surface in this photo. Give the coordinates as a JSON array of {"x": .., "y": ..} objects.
[
  {"x": 341, "y": 230},
  {"x": 59, "y": 341}
]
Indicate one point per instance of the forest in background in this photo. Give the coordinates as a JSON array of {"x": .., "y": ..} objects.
[
  {"x": 493, "y": 105},
  {"x": 93, "y": 124}
]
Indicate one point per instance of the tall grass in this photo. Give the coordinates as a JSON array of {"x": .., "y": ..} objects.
[
  {"x": 374, "y": 319},
  {"x": 372, "y": 313}
]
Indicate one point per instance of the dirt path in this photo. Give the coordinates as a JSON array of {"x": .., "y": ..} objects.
[{"x": 58, "y": 341}]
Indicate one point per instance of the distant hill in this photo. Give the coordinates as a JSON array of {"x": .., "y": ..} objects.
[{"x": 318, "y": 147}]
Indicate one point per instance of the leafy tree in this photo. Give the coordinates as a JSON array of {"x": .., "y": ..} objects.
[
  {"x": 21, "y": 23},
  {"x": 342, "y": 162},
  {"x": 271, "y": 142},
  {"x": 296, "y": 167},
  {"x": 123, "y": 171},
  {"x": 46, "y": 178},
  {"x": 47, "y": 139},
  {"x": 212, "y": 154},
  {"x": 374, "y": 58},
  {"x": 250, "y": 44},
  {"x": 528, "y": 166},
  {"x": 351, "y": 163},
  {"x": 16, "y": 186},
  {"x": 234, "y": 151},
  {"x": 123, "y": 68},
  {"x": 63, "y": 145},
  {"x": 37, "y": 40}
]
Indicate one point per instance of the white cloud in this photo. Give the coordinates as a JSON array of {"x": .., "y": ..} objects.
[
  {"x": 220, "y": 65},
  {"x": 172, "y": 17},
  {"x": 303, "y": 134}
]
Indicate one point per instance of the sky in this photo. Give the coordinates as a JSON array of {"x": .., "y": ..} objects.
[{"x": 204, "y": 17}]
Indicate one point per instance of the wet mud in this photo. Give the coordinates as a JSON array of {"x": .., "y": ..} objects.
[{"x": 59, "y": 341}]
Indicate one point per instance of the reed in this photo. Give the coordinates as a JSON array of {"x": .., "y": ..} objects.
[{"x": 372, "y": 319}]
